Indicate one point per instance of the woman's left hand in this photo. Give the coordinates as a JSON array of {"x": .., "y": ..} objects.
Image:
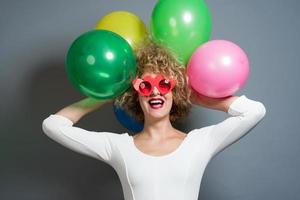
[{"x": 212, "y": 103}]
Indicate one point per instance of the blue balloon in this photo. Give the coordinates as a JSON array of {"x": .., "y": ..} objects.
[{"x": 127, "y": 120}]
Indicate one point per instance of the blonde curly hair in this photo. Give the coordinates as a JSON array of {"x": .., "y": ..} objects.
[{"x": 154, "y": 58}]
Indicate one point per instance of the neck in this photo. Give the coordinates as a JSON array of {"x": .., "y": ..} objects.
[{"x": 158, "y": 128}]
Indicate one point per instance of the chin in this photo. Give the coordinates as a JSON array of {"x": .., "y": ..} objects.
[{"x": 157, "y": 114}]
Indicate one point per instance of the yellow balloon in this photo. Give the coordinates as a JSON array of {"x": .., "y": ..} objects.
[{"x": 126, "y": 24}]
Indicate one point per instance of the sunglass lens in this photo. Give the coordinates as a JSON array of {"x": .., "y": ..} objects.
[
  {"x": 165, "y": 85},
  {"x": 145, "y": 87}
]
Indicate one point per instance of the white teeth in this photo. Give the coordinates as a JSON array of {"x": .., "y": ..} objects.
[{"x": 156, "y": 101}]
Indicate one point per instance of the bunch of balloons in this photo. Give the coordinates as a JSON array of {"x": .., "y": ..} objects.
[
  {"x": 216, "y": 68},
  {"x": 101, "y": 62}
]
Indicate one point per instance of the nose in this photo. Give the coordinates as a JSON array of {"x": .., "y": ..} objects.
[{"x": 155, "y": 92}]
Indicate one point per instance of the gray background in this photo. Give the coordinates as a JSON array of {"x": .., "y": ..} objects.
[{"x": 34, "y": 38}]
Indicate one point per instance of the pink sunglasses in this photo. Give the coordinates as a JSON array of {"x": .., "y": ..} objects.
[{"x": 146, "y": 85}]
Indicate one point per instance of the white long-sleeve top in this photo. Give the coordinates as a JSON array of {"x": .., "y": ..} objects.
[{"x": 175, "y": 176}]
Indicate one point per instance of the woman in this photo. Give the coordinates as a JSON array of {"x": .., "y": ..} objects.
[{"x": 160, "y": 162}]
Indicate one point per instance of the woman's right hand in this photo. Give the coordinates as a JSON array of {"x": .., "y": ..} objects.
[{"x": 77, "y": 110}]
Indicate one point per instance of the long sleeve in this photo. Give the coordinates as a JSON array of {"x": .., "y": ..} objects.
[
  {"x": 245, "y": 114},
  {"x": 90, "y": 143}
]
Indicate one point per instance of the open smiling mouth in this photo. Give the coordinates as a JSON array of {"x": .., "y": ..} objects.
[{"x": 156, "y": 103}]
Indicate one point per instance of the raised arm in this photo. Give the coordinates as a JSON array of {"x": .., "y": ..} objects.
[
  {"x": 59, "y": 127},
  {"x": 244, "y": 113},
  {"x": 77, "y": 110}
]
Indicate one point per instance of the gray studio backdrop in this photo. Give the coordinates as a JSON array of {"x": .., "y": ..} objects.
[{"x": 34, "y": 38}]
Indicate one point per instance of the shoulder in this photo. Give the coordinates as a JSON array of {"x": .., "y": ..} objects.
[
  {"x": 116, "y": 136},
  {"x": 201, "y": 132}
]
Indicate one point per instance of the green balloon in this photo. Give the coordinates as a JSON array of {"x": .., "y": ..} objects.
[
  {"x": 182, "y": 26},
  {"x": 101, "y": 64}
]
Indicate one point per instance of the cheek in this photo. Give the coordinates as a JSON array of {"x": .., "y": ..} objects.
[
  {"x": 169, "y": 99},
  {"x": 142, "y": 102}
]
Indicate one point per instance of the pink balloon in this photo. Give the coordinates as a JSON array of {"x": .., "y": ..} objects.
[{"x": 218, "y": 68}]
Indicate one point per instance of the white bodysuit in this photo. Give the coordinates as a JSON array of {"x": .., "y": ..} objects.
[{"x": 174, "y": 176}]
